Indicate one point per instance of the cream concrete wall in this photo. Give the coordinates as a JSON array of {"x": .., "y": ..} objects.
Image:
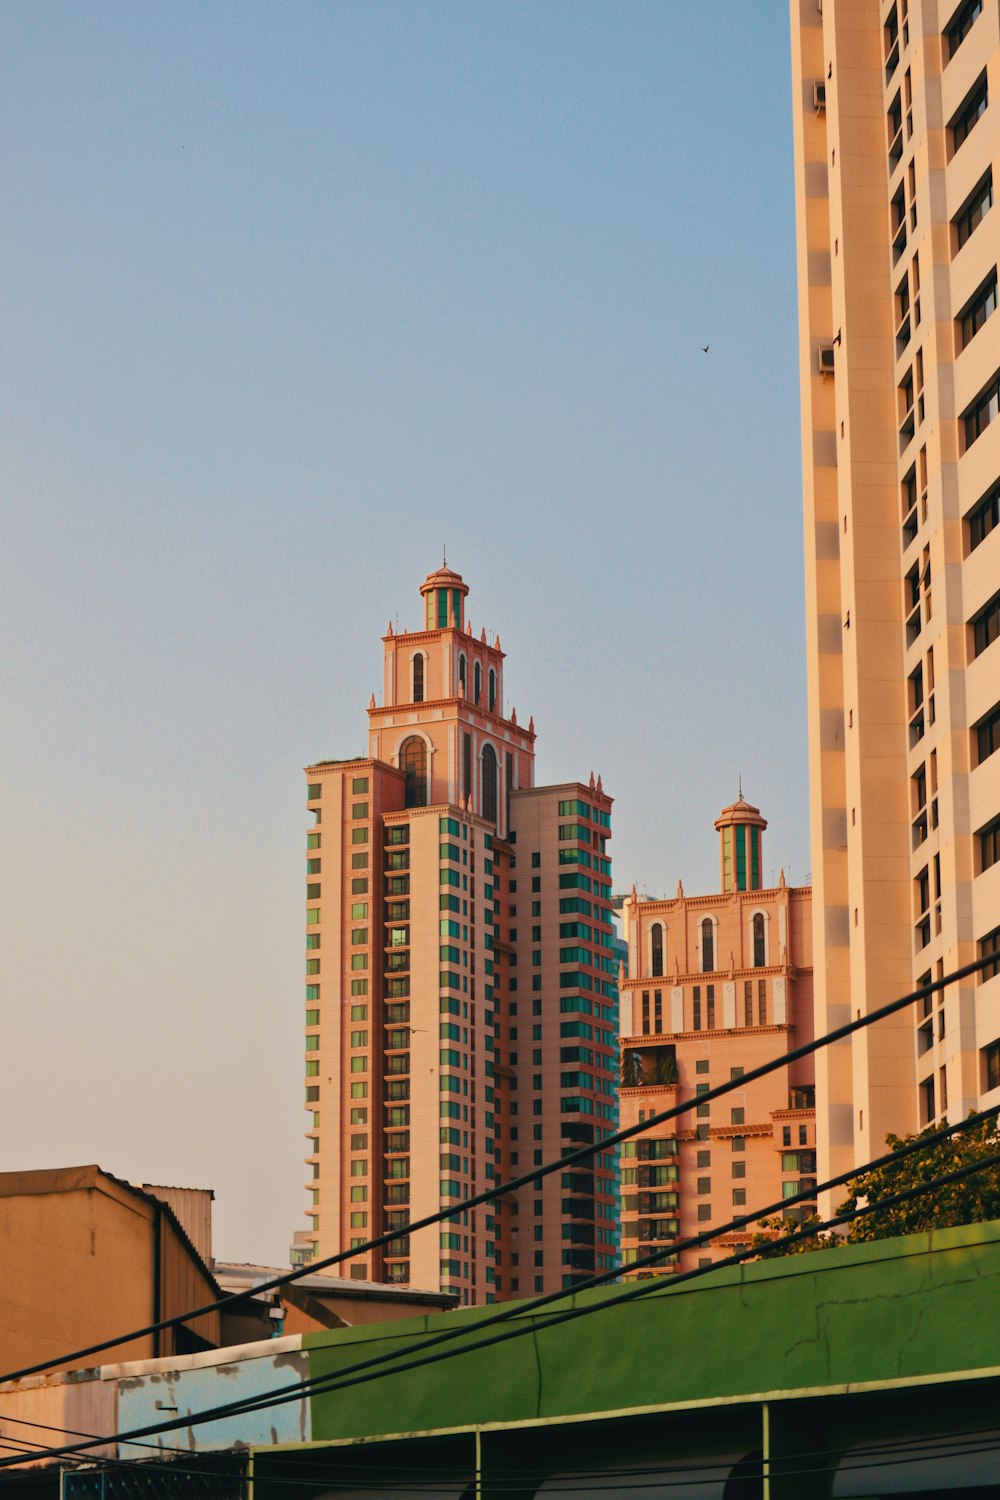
[{"x": 896, "y": 1080}]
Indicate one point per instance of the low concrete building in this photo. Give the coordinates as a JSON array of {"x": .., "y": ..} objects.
[
  {"x": 862, "y": 1371},
  {"x": 315, "y": 1301},
  {"x": 85, "y": 1255}
]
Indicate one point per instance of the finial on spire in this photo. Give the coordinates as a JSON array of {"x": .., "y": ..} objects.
[
  {"x": 444, "y": 554},
  {"x": 740, "y": 786}
]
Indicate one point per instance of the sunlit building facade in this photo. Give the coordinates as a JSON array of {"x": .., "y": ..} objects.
[
  {"x": 715, "y": 986},
  {"x": 461, "y": 990},
  {"x": 897, "y": 142}
]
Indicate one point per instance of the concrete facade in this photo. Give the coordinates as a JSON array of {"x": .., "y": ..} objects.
[
  {"x": 897, "y": 141},
  {"x": 457, "y": 921},
  {"x": 716, "y": 985}
]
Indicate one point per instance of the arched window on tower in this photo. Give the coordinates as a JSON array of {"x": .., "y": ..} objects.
[
  {"x": 759, "y": 956},
  {"x": 492, "y": 690},
  {"x": 418, "y": 678},
  {"x": 461, "y": 673},
  {"x": 413, "y": 764},
  {"x": 489, "y": 784},
  {"x": 707, "y": 946},
  {"x": 656, "y": 949},
  {"x": 477, "y": 682}
]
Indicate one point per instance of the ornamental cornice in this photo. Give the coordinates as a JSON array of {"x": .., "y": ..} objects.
[
  {"x": 481, "y": 715},
  {"x": 726, "y": 1132},
  {"x": 713, "y": 976},
  {"x": 428, "y": 637},
  {"x": 655, "y": 1038},
  {"x": 720, "y": 898}
]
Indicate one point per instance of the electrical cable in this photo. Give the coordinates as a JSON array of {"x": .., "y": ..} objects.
[
  {"x": 877, "y": 1454},
  {"x": 502, "y": 1190},
  {"x": 920, "y": 1143},
  {"x": 987, "y": 1437},
  {"x": 348, "y": 1378},
  {"x": 536, "y": 1304},
  {"x": 324, "y": 1385}
]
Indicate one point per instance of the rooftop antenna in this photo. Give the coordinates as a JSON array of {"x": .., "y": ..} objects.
[
  {"x": 740, "y": 783},
  {"x": 444, "y": 554}
]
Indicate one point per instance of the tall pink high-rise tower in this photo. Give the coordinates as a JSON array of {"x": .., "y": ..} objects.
[{"x": 461, "y": 1020}]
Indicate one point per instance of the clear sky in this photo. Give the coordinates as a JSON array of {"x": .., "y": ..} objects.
[{"x": 292, "y": 295}]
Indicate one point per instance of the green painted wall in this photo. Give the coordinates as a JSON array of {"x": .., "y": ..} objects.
[{"x": 924, "y": 1305}]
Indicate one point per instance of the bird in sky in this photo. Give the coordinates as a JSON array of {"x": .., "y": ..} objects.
[{"x": 704, "y": 348}]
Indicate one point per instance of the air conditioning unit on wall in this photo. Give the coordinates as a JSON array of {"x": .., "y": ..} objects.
[
  {"x": 819, "y": 97},
  {"x": 824, "y": 359}
]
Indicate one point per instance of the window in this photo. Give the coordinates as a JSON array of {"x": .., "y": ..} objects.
[
  {"x": 991, "y": 1067},
  {"x": 359, "y": 785},
  {"x": 314, "y": 790},
  {"x": 987, "y": 735},
  {"x": 492, "y": 690},
  {"x": 758, "y": 941},
  {"x": 748, "y": 1002},
  {"x": 707, "y": 946},
  {"x": 704, "y": 1213},
  {"x": 974, "y": 209},
  {"x": 413, "y": 764},
  {"x": 977, "y": 417},
  {"x": 696, "y": 1008},
  {"x": 762, "y": 1002},
  {"x": 418, "y": 678},
  {"x": 981, "y": 305},
  {"x": 657, "y": 949},
  {"x": 489, "y": 784},
  {"x": 969, "y": 113},
  {"x": 990, "y": 945},
  {"x": 466, "y": 761},
  {"x": 461, "y": 672},
  {"x": 983, "y": 518},
  {"x": 986, "y": 626},
  {"x": 988, "y": 844},
  {"x": 961, "y": 24},
  {"x": 477, "y": 682}
]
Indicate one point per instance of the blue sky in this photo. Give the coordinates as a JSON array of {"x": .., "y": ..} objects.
[{"x": 292, "y": 295}]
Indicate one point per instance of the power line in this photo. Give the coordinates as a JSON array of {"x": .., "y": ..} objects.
[
  {"x": 502, "y": 1190},
  {"x": 365, "y": 1372},
  {"x": 326, "y": 1384}
]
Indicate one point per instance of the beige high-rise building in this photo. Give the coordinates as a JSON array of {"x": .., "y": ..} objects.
[{"x": 897, "y": 138}]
